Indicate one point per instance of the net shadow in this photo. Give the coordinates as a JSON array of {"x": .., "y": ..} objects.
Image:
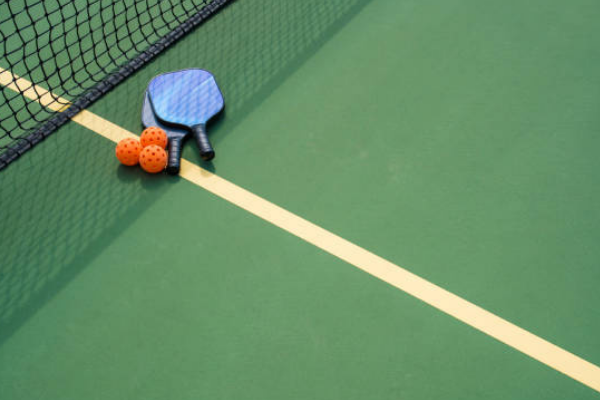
[
  {"x": 56, "y": 217},
  {"x": 251, "y": 47},
  {"x": 60, "y": 209}
]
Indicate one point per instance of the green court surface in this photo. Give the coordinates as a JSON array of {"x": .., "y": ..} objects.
[{"x": 458, "y": 139}]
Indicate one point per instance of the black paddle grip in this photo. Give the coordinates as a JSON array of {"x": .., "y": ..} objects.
[
  {"x": 206, "y": 151},
  {"x": 173, "y": 163}
]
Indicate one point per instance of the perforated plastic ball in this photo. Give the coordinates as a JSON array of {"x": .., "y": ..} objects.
[
  {"x": 154, "y": 135},
  {"x": 153, "y": 159},
  {"x": 128, "y": 151}
]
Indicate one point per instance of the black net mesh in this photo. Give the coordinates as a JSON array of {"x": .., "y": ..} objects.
[
  {"x": 77, "y": 50},
  {"x": 253, "y": 47}
]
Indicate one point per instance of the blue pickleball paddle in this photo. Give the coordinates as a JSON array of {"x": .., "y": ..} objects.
[
  {"x": 188, "y": 99},
  {"x": 176, "y": 136}
]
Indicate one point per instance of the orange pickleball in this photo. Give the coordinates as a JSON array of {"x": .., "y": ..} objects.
[
  {"x": 154, "y": 135},
  {"x": 153, "y": 159},
  {"x": 128, "y": 151}
]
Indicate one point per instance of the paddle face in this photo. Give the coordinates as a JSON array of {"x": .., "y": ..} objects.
[
  {"x": 188, "y": 98},
  {"x": 149, "y": 119}
]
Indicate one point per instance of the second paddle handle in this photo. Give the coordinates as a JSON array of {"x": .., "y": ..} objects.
[
  {"x": 173, "y": 162},
  {"x": 206, "y": 151}
]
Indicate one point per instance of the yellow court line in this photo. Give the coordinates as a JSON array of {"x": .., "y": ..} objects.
[
  {"x": 32, "y": 92},
  {"x": 451, "y": 304}
]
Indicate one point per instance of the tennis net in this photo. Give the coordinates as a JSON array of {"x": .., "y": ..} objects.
[{"x": 77, "y": 50}]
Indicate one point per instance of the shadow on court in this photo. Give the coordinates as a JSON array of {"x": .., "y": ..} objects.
[
  {"x": 65, "y": 202},
  {"x": 251, "y": 47},
  {"x": 61, "y": 206}
]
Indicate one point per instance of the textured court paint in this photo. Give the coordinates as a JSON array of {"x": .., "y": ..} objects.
[
  {"x": 239, "y": 309},
  {"x": 475, "y": 266},
  {"x": 502, "y": 330},
  {"x": 463, "y": 145}
]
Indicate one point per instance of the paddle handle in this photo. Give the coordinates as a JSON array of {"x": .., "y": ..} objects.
[
  {"x": 206, "y": 151},
  {"x": 174, "y": 161}
]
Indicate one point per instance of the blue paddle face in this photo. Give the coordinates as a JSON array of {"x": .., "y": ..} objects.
[
  {"x": 149, "y": 119},
  {"x": 188, "y": 98}
]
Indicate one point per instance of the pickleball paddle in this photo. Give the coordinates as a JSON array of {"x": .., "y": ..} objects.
[
  {"x": 188, "y": 99},
  {"x": 176, "y": 136}
]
